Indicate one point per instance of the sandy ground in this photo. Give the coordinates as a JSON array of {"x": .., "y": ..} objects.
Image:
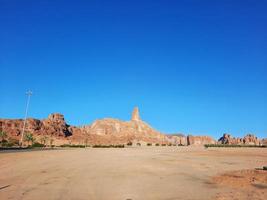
[{"x": 145, "y": 173}]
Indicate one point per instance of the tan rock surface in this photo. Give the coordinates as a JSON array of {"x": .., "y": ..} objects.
[
  {"x": 199, "y": 140},
  {"x": 249, "y": 139}
]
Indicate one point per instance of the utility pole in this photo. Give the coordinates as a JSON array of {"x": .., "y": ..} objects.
[{"x": 29, "y": 93}]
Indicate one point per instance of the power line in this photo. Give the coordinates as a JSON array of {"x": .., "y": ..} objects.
[{"x": 29, "y": 93}]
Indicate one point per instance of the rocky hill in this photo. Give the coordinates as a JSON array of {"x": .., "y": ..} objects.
[
  {"x": 249, "y": 139},
  {"x": 108, "y": 131}
]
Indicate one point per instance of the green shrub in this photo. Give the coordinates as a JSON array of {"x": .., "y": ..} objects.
[
  {"x": 73, "y": 145},
  {"x": 129, "y": 144},
  {"x": 108, "y": 146},
  {"x": 37, "y": 144},
  {"x": 9, "y": 143},
  {"x": 3, "y": 136},
  {"x": 28, "y": 137},
  {"x": 264, "y": 167}
]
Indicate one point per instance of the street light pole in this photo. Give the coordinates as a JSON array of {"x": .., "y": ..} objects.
[{"x": 29, "y": 93}]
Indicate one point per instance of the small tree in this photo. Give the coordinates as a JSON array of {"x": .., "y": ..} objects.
[
  {"x": 51, "y": 142},
  {"x": 29, "y": 138},
  {"x": 3, "y": 136},
  {"x": 86, "y": 142},
  {"x": 44, "y": 140}
]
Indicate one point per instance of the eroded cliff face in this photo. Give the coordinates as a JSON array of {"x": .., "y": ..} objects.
[
  {"x": 104, "y": 131},
  {"x": 119, "y": 131},
  {"x": 249, "y": 139},
  {"x": 110, "y": 131},
  {"x": 177, "y": 139},
  {"x": 54, "y": 125},
  {"x": 200, "y": 140}
]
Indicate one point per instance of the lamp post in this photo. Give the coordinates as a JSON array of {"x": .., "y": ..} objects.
[{"x": 29, "y": 93}]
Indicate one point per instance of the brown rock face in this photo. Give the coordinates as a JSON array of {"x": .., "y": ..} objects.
[
  {"x": 264, "y": 141},
  {"x": 227, "y": 139},
  {"x": 112, "y": 131},
  {"x": 199, "y": 140},
  {"x": 123, "y": 132},
  {"x": 249, "y": 139},
  {"x": 177, "y": 139},
  {"x": 54, "y": 125}
]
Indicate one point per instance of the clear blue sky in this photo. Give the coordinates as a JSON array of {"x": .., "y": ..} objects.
[{"x": 192, "y": 66}]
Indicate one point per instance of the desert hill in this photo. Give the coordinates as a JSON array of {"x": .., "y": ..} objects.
[{"x": 108, "y": 131}]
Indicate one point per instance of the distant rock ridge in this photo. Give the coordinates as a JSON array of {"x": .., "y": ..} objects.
[
  {"x": 249, "y": 139},
  {"x": 110, "y": 131}
]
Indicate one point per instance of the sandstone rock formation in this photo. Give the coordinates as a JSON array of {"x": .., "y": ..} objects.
[
  {"x": 117, "y": 131},
  {"x": 264, "y": 141},
  {"x": 199, "y": 140},
  {"x": 135, "y": 115},
  {"x": 249, "y": 139},
  {"x": 228, "y": 139},
  {"x": 110, "y": 131},
  {"x": 54, "y": 125},
  {"x": 177, "y": 139},
  {"x": 105, "y": 131}
]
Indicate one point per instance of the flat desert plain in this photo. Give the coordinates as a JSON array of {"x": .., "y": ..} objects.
[{"x": 144, "y": 173}]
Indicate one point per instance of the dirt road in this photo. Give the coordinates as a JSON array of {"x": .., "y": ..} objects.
[{"x": 145, "y": 173}]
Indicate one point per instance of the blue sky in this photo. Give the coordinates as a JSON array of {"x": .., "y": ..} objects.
[{"x": 191, "y": 66}]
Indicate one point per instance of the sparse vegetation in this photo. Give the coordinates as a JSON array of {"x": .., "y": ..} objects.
[
  {"x": 109, "y": 146},
  {"x": 234, "y": 145},
  {"x": 148, "y": 144},
  {"x": 157, "y": 144},
  {"x": 51, "y": 141},
  {"x": 138, "y": 144},
  {"x": 73, "y": 145},
  {"x": 37, "y": 144},
  {"x": 28, "y": 137},
  {"x": 129, "y": 144},
  {"x": 163, "y": 144},
  {"x": 3, "y": 136},
  {"x": 44, "y": 140},
  {"x": 86, "y": 142}
]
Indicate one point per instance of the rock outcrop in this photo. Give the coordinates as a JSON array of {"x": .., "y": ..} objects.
[
  {"x": 199, "y": 140},
  {"x": 105, "y": 131},
  {"x": 177, "y": 139},
  {"x": 54, "y": 125},
  {"x": 135, "y": 115},
  {"x": 118, "y": 131},
  {"x": 249, "y": 139},
  {"x": 111, "y": 131},
  {"x": 228, "y": 139},
  {"x": 264, "y": 141}
]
